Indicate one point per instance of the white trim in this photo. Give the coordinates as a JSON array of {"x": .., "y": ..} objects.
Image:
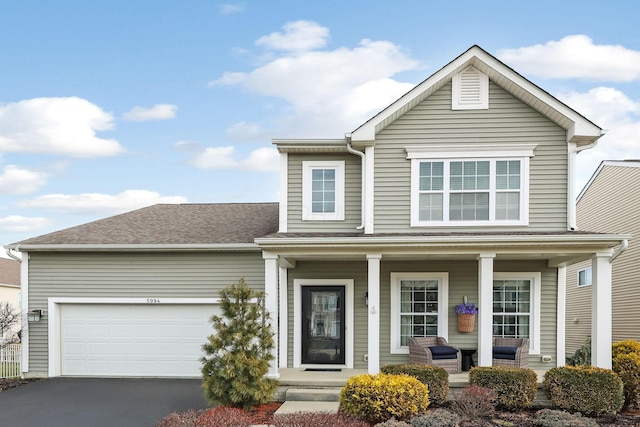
[
  {"x": 443, "y": 303},
  {"x": 601, "y": 310},
  {"x": 446, "y": 192},
  {"x": 485, "y": 317},
  {"x": 54, "y": 326},
  {"x": 24, "y": 300},
  {"x": 561, "y": 316},
  {"x": 284, "y": 193},
  {"x": 307, "y": 169},
  {"x": 457, "y": 94},
  {"x": 369, "y": 190},
  {"x": 297, "y": 318},
  {"x": 479, "y": 150},
  {"x": 535, "y": 279},
  {"x": 283, "y": 321},
  {"x": 373, "y": 313}
]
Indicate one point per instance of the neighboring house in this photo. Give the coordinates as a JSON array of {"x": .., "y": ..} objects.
[
  {"x": 461, "y": 189},
  {"x": 609, "y": 203},
  {"x": 9, "y": 291}
]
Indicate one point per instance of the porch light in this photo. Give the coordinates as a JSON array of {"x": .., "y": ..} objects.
[
  {"x": 366, "y": 299},
  {"x": 34, "y": 315}
]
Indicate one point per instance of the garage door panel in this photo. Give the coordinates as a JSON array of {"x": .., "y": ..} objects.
[{"x": 133, "y": 340}]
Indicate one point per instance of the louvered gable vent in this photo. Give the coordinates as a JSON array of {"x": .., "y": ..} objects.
[{"x": 470, "y": 90}]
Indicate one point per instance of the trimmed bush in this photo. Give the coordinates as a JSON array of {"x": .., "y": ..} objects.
[
  {"x": 393, "y": 423},
  {"x": 316, "y": 419},
  {"x": 436, "y": 418},
  {"x": 378, "y": 398},
  {"x": 435, "y": 377},
  {"x": 625, "y": 347},
  {"x": 627, "y": 366},
  {"x": 555, "y": 418},
  {"x": 589, "y": 390},
  {"x": 475, "y": 402},
  {"x": 515, "y": 387}
]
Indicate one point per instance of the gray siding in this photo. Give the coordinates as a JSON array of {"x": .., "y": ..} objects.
[
  {"x": 463, "y": 277},
  {"x": 610, "y": 205},
  {"x": 507, "y": 121},
  {"x": 352, "y": 194},
  {"x": 157, "y": 275}
]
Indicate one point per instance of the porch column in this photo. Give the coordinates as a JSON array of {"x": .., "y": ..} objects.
[
  {"x": 373, "y": 289},
  {"x": 283, "y": 322},
  {"x": 485, "y": 309},
  {"x": 271, "y": 304},
  {"x": 601, "y": 316}
]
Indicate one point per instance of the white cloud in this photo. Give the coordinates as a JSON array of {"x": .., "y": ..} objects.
[
  {"x": 61, "y": 126},
  {"x": 328, "y": 92},
  {"x": 264, "y": 159},
  {"x": 17, "y": 180},
  {"x": 243, "y": 131},
  {"x": 231, "y": 8},
  {"x": 297, "y": 36},
  {"x": 97, "y": 203},
  {"x": 157, "y": 112},
  {"x": 575, "y": 56},
  {"x": 17, "y": 223}
]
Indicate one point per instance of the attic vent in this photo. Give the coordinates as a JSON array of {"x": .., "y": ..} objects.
[{"x": 470, "y": 90}]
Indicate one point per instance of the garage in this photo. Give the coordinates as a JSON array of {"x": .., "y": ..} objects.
[{"x": 133, "y": 340}]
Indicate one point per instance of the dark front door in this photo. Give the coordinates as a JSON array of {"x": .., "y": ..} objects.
[{"x": 323, "y": 325}]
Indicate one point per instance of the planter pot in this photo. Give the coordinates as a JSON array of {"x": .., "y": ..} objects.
[{"x": 466, "y": 322}]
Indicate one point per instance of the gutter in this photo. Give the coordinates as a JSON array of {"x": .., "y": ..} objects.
[
  {"x": 9, "y": 251},
  {"x": 235, "y": 247},
  {"x": 623, "y": 247},
  {"x": 351, "y": 150}
]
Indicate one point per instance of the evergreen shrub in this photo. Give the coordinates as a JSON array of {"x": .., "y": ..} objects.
[
  {"x": 515, "y": 388},
  {"x": 435, "y": 377}
]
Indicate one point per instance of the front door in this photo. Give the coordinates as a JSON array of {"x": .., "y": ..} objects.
[{"x": 323, "y": 314}]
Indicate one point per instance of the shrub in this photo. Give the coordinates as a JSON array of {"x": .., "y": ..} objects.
[
  {"x": 377, "y": 398},
  {"x": 627, "y": 366},
  {"x": 625, "y": 347},
  {"x": 435, "y": 377},
  {"x": 237, "y": 354},
  {"x": 589, "y": 390},
  {"x": 436, "y": 418},
  {"x": 316, "y": 419},
  {"x": 224, "y": 416},
  {"x": 554, "y": 418},
  {"x": 393, "y": 423},
  {"x": 180, "y": 419},
  {"x": 475, "y": 402},
  {"x": 582, "y": 356},
  {"x": 515, "y": 387}
]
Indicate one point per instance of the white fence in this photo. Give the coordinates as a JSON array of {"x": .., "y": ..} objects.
[{"x": 10, "y": 357}]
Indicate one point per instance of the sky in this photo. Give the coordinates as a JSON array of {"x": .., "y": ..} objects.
[{"x": 110, "y": 106}]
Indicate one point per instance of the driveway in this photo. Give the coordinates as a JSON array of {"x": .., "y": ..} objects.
[{"x": 102, "y": 402}]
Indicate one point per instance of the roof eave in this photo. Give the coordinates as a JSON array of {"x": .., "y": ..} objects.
[{"x": 214, "y": 247}]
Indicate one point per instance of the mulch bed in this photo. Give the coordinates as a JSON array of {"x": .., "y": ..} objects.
[
  {"x": 263, "y": 414},
  {"x": 9, "y": 383}
]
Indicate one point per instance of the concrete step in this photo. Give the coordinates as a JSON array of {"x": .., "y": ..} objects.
[
  {"x": 327, "y": 394},
  {"x": 291, "y": 407}
]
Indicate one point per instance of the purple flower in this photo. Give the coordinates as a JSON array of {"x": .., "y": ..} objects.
[{"x": 469, "y": 308}]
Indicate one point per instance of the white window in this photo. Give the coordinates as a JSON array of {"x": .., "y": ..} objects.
[
  {"x": 516, "y": 308},
  {"x": 418, "y": 307},
  {"x": 323, "y": 190},
  {"x": 584, "y": 277},
  {"x": 450, "y": 189}
]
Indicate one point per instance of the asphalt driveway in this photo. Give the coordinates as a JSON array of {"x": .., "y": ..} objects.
[{"x": 89, "y": 402}]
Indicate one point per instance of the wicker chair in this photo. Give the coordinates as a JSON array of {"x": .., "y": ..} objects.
[
  {"x": 420, "y": 351},
  {"x": 512, "y": 352}
]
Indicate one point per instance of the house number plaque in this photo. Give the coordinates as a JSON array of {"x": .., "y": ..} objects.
[{"x": 153, "y": 300}]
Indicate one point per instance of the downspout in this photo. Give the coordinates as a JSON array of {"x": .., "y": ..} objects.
[
  {"x": 362, "y": 184},
  {"x": 8, "y": 250},
  {"x": 623, "y": 247}
]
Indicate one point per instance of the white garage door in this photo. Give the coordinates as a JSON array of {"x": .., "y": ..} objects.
[{"x": 121, "y": 340}]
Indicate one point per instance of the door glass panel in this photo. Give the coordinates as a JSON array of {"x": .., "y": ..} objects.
[{"x": 323, "y": 325}]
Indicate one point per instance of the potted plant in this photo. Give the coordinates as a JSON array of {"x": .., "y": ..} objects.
[{"x": 466, "y": 316}]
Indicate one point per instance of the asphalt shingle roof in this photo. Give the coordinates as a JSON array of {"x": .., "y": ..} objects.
[
  {"x": 9, "y": 272},
  {"x": 206, "y": 223}
]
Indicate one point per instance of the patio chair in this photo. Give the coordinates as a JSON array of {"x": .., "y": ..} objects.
[
  {"x": 435, "y": 351},
  {"x": 512, "y": 352}
]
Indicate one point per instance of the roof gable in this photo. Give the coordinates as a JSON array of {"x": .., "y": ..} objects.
[{"x": 579, "y": 129}]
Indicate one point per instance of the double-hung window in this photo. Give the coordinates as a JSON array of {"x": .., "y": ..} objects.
[
  {"x": 452, "y": 189},
  {"x": 418, "y": 307},
  {"x": 323, "y": 190},
  {"x": 516, "y": 309}
]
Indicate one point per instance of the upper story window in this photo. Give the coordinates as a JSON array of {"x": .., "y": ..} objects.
[
  {"x": 323, "y": 190},
  {"x": 584, "y": 277},
  {"x": 448, "y": 188}
]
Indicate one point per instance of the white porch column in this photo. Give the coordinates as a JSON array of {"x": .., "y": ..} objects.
[
  {"x": 271, "y": 304},
  {"x": 373, "y": 289},
  {"x": 283, "y": 322},
  {"x": 601, "y": 316},
  {"x": 560, "y": 316},
  {"x": 485, "y": 309}
]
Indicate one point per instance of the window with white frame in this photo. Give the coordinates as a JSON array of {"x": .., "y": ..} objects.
[
  {"x": 450, "y": 189},
  {"x": 323, "y": 190},
  {"x": 584, "y": 277},
  {"x": 516, "y": 308},
  {"x": 418, "y": 307}
]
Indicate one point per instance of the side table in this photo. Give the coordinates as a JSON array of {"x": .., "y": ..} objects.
[{"x": 467, "y": 358}]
